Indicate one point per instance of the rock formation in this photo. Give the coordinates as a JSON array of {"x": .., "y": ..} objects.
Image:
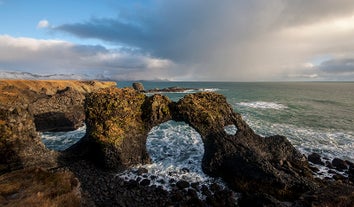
[
  {"x": 174, "y": 89},
  {"x": 30, "y": 106},
  {"x": 268, "y": 170},
  {"x": 138, "y": 87},
  {"x": 118, "y": 121}
]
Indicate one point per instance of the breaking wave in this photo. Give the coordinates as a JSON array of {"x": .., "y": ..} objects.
[
  {"x": 262, "y": 105},
  {"x": 62, "y": 140}
]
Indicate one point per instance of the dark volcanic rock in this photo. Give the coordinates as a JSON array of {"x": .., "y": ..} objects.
[
  {"x": 24, "y": 109},
  {"x": 20, "y": 145},
  {"x": 333, "y": 194},
  {"x": 169, "y": 90},
  {"x": 315, "y": 158},
  {"x": 138, "y": 87},
  {"x": 339, "y": 164},
  {"x": 182, "y": 184},
  {"x": 246, "y": 161},
  {"x": 351, "y": 173},
  {"x": 269, "y": 169},
  {"x": 63, "y": 111},
  {"x": 118, "y": 121}
]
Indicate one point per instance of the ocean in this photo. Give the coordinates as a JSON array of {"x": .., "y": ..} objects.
[{"x": 314, "y": 116}]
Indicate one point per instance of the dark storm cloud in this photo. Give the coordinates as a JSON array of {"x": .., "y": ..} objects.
[
  {"x": 338, "y": 66},
  {"x": 178, "y": 30}
]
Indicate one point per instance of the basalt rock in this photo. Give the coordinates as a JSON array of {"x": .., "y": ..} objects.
[
  {"x": 138, "y": 87},
  {"x": 118, "y": 121},
  {"x": 30, "y": 106},
  {"x": 20, "y": 145},
  {"x": 246, "y": 161}
]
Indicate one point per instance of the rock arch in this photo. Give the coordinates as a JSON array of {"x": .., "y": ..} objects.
[{"x": 118, "y": 121}]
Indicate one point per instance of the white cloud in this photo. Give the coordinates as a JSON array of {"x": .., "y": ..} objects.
[
  {"x": 52, "y": 56},
  {"x": 43, "y": 24}
]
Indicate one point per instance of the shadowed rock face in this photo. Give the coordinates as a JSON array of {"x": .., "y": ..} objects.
[
  {"x": 30, "y": 106},
  {"x": 118, "y": 121}
]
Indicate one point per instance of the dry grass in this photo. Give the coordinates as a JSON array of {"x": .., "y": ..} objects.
[
  {"x": 11, "y": 90},
  {"x": 38, "y": 187}
]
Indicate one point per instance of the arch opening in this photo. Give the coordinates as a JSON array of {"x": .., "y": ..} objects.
[
  {"x": 230, "y": 129},
  {"x": 60, "y": 141},
  {"x": 176, "y": 150}
]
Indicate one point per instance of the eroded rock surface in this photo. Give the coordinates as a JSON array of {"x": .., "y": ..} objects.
[
  {"x": 118, "y": 121},
  {"x": 267, "y": 170},
  {"x": 30, "y": 106}
]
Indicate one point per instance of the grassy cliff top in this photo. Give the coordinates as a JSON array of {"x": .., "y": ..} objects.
[{"x": 11, "y": 90}]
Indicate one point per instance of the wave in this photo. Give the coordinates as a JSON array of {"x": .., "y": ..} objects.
[
  {"x": 262, "y": 105},
  {"x": 209, "y": 89},
  {"x": 176, "y": 150},
  {"x": 62, "y": 140},
  {"x": 330, "y": 143}
]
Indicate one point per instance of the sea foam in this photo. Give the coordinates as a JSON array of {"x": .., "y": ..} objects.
[
  {"x": 262, "y": 105},
  {"x": 176, "y": 150},
  {"x": 328, "y": 143},
  {"x": 62, "y": 140}
]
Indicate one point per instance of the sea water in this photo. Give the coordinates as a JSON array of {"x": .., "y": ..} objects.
[{"x": 314, "y": 116}]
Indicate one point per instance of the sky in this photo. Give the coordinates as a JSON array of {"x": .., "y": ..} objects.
[{"x": 180, "y": 40}]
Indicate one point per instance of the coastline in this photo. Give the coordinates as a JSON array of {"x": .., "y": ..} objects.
[{"x": 102, "y": 190}]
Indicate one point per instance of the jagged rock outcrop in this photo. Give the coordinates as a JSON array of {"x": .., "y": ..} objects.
[
  {"x": 138, "y": 87},
  {"x": 118, "y": 121},
  {"x": 20, "y": 145},
  {"x": 174, "y": 89},
  {"x": 30, "y": 106},
  {"x": 246, "y": 161}
]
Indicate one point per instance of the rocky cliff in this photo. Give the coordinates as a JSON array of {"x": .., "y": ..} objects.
[
  {"x": 118, "y": 121},
  {"x": 30, "y": 106},
  {"x": 269, "y": 171}
]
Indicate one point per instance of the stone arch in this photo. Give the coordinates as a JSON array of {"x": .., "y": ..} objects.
[{"x": 119, "y": 120}]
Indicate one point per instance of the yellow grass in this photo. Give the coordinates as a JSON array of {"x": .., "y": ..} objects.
[{"x": 38, "y": 187}]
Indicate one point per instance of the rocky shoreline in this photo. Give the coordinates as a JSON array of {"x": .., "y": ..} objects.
[{"x": 267, "y": 171}]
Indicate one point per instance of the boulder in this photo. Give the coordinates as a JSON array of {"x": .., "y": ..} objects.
[
  {"x": 138, "y": 87},
  {"x": 339, "y": 164},
  {"x": 315, "y": 158}
]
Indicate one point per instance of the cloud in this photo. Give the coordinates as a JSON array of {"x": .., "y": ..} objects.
[
  {"x": 232, "y": 40},
  {"x": 338, "y": 66},
  {"x": 43, "y": 24},
  {"x": 52, "y": 56}
]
